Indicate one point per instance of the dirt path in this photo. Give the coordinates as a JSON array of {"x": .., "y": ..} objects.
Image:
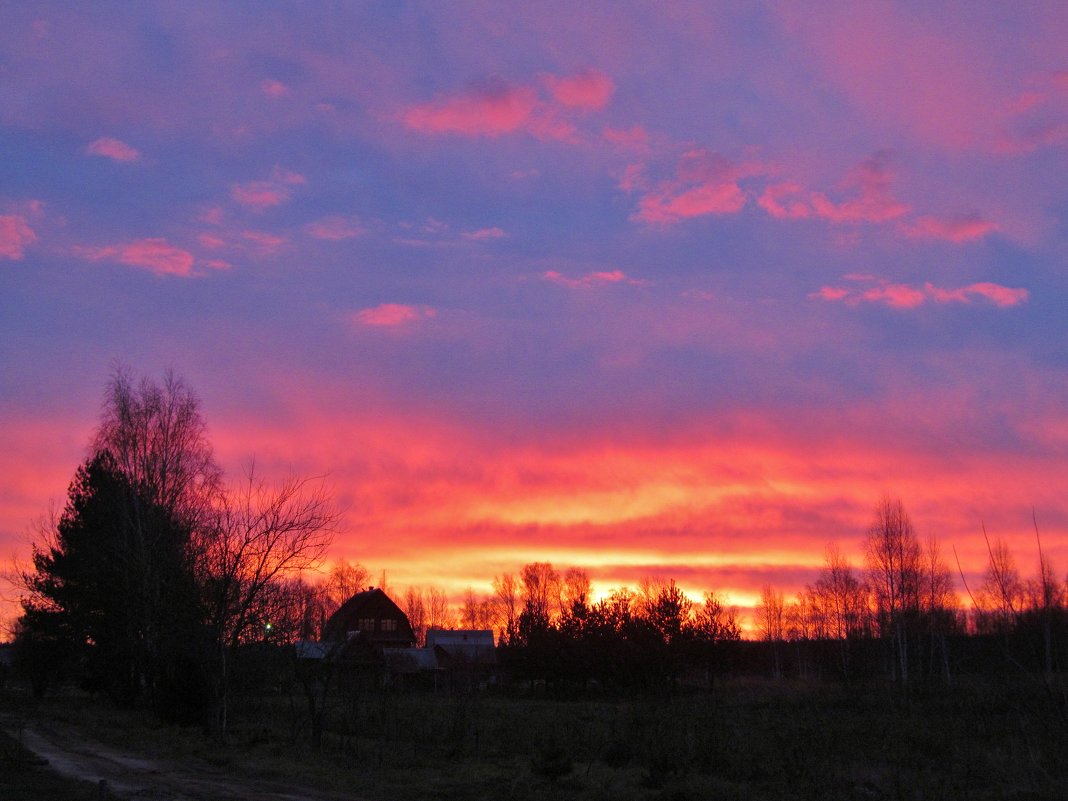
[{"x": 134, "y": 777}]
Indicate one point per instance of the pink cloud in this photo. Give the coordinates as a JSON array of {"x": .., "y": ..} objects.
[
  {"x": 336, "y": 228},
  {"x": 264, "y": 242},
  {"x": 484, "y": 233},
  {"x": 898, "y": 296},
  {"x": 1048, "y": 134},
  {"x": 998, "y": 295},
  {"x": 593, "y": 279},
  {"x": 956, "y": 230},
  {"x": 273, "y": 88},
  {"x": 780, "y": 200},
  {"x": 588, "y": 90},
  {"x": 905, "y": 71},
  {"x": 113, "y": 149},
  {"x": 705, "y": 183},
  {"x": 492, "y": 110},
  {"x": 390, "y": 315},
  {"x": 15, "y": 235},
  {"x": 633, "y": 177},
  {"x": 497, "y": 108},
  {"x": 212, "y": 216},
  {"x": 872, "y": 179},
  {"x": 211, "y": 241},
  {"x": 831, "y": 293},
  {"x": 634, "y": 138},
  {"x": 156, "y": 255},
  {"x": 903, "y": 296},
  {"x": 260, "y": 195},
  {"x": 1040, "y": 112},
  {"x": 712, "y": 198}
]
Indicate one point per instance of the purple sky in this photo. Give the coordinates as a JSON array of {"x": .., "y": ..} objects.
[{"x": 654, "y": 289}]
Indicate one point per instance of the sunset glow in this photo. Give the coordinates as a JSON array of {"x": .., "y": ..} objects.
[{"x": 675, "y": 292}]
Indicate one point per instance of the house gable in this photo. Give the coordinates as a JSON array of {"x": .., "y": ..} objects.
[{"x": 375, "y": 616}]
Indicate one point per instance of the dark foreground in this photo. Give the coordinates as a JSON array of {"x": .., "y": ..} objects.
[{"x": 981, "y": 739}]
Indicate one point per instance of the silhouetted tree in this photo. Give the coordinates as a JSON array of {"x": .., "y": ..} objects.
[
  {"x": 894, "y": 563},
  {"x": 771, "y": 623},
  {"x": 344, "y": 580},
  {"x": 121, "y": 562},
  {"x": 263, "y": 536},
  {"x": 414, "y": 607},
  {"x": 506, "y": 600}
]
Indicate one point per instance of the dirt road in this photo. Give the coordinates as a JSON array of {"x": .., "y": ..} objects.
[{"x": 134, "y": 777}]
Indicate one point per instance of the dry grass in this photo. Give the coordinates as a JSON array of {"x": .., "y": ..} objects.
[{"x": 751, "y": 740}]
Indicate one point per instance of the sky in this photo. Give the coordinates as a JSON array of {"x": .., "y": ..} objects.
[{"x": 674, "y": 289}]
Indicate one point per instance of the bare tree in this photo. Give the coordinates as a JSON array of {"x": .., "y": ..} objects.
[
  {"x": 159, "y": 441},
  {"x": 575, "y": 588},
  {"x": 894, "y": 563},
  {"x": 477, "y": 611},
  {"x": 506, "y": 597},
  {"x": 1001, "y": 594},
  {"x": 771, "y": 620},
  {"x": 438, "y": 613},
  {"x": 541, "y": 591},
  {"x": 1047, "y": 598},
  {"x": 263, "y": 535},
  {"x": 345, "y": 580},
  {"x": 415, "y": 608}
]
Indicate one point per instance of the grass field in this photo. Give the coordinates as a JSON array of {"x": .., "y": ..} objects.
[{"x": 750, "y": 739}]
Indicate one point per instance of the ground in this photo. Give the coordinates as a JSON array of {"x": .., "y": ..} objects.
[{"x": 69, "y": 754}]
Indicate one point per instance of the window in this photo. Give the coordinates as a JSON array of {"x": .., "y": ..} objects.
[
  {"x": 387, "y": 624},
  {"x": 367, "y": 624}
]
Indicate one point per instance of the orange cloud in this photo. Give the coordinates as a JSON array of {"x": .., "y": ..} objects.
[
  {"x": 588, "y": 90},
  {"x": 156, "y": 255},
  {"x": 593, "y": 279},
  {"x": 15, "y": 235},
  {"x": 956, "y": 230},
  {"x": 113, "y": 149},
  {"x": 726, "y": 507},
  {"x": 391, "y": 315},
  {"x": 903, "y": 296}
]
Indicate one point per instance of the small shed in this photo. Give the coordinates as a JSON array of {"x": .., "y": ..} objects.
[{"x": 462, "y": 647}]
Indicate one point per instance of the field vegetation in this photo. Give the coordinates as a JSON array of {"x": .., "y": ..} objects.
[{"x": 984, "y": 738}]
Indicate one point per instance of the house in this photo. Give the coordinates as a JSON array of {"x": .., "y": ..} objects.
[{"x": 374, "y": 618}]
